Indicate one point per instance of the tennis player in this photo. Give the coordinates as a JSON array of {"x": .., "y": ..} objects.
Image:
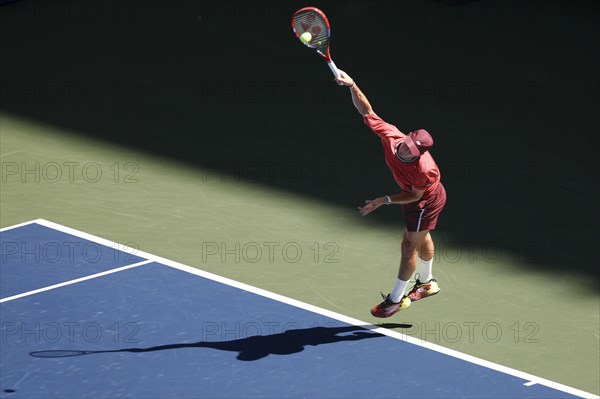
[{"x": 422, "y": 198}]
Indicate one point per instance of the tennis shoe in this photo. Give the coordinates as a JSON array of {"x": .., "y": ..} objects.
[
  {"x": 423, "y": 289},
  {"x": 388, "y": 308}
]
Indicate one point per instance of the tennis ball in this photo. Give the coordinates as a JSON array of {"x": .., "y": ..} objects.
[{"x": 306, "y": 37}]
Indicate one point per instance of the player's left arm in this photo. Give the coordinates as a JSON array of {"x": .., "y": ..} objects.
[
  {"x": 360, "y": 101},
  {"x": 405, "y": 197}
]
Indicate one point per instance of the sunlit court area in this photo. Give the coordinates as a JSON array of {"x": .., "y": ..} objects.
[{"x": 184, "y": 187}]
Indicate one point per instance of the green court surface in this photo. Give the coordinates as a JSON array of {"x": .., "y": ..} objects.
[
  {"x": 318, "y": 253},
  {"x": 250, "y": 164}
]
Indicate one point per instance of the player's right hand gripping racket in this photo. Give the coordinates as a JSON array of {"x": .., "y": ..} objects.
[{"x": 314, "y": 21}]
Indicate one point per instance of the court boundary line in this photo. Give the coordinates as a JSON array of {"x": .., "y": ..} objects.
[
  {"x": 530, "y": 379},
  {"x": 74, "y": 281},
  {"x": 16, "y": 226}
]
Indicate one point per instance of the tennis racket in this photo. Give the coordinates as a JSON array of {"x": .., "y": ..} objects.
[
  {"x": 70, "y": 353},
  {"x": 62, "y": 353},
  {"x": 314, "y": 21}
]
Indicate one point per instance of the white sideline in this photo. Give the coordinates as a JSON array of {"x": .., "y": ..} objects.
[
  {"x": 16, "y": 226},
  {"x": 77, "y": 280},
  {"x": 530, "y": 378}
]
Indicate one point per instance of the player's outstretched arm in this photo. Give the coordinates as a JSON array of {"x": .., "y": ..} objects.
[
  {"x": 358, "y": 98},
  {"x": 405, "y": 197}
]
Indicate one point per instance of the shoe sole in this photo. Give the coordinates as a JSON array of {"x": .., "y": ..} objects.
[
  {"x": 380, "y": 316},
  {"x": 423, "y": 297}
]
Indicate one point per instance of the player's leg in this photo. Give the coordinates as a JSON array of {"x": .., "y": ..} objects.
[
  {"x": 425, "y": 285},
  {"x": 420, "y": 217},
  {"x": 411, "y": 243},
  {"x": 396, "y": 300},
  {"x": 425, "y": 258},
  {"x": 427, "y": 248}
]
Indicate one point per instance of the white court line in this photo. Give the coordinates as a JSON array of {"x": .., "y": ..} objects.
[
  {"x": 16, "y": 226},
  {"x": 532, "y": 379},
  {"x": 77, "y": 280}
]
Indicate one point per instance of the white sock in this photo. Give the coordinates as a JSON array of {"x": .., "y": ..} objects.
[
  {"x": 424, "y": 269},
  {"x": 398, "y": 292}
]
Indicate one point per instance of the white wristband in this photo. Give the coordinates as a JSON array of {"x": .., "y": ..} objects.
[{"x": 389, "y": 199}]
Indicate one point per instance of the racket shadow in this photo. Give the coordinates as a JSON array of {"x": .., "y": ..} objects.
[{"x": 254, "y": 347}]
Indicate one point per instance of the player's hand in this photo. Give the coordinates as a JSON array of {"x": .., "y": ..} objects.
[
  {"x": 344, "y": 79},
  {"x": 370, "y": 206}
]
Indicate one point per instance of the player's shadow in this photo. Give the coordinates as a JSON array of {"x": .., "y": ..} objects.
[{"x": 254, "y": 347}]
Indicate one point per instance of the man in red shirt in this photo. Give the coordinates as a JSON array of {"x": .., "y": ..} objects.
[{"x": 422, "y": 199}]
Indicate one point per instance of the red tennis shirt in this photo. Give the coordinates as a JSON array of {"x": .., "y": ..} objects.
[{"x": 422, "y": 174}]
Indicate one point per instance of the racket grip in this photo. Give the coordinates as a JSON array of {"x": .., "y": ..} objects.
[{"x": 333, "y": 68}]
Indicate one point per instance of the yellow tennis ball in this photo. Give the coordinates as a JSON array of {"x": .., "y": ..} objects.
[{"x": 306, "y": 37}]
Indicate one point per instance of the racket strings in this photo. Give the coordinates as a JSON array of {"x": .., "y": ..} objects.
[
  {"x": 312, "y": 22},
  {"x": 58, "y": 353}
]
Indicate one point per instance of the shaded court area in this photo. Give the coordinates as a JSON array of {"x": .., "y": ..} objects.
[
  {"x": 503, "y": 86},
  {"x": 202, "y": 131}
]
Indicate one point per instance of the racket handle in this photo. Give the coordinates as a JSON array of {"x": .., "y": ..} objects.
[{"x": 333, "y": 68}]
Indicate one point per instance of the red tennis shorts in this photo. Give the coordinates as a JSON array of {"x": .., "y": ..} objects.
[{"x": 423, "y": 214}]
